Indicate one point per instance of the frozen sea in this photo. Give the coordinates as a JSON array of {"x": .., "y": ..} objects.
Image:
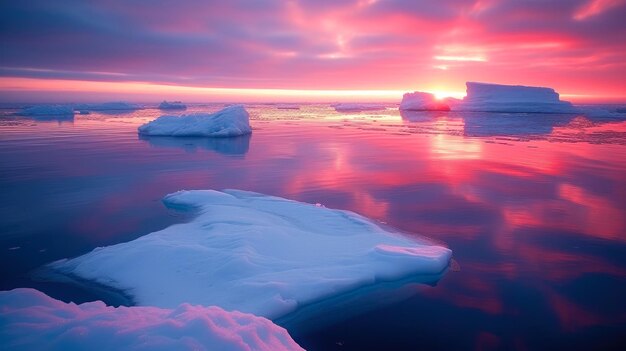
[{"x": 533, "y": 207}]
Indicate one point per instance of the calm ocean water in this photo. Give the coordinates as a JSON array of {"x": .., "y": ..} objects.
[{"x": 533, "y": 206}]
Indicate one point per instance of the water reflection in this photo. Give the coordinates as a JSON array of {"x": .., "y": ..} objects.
[
  {"x": 538, "y": 225},
  {"x": 236, "y": 146}
]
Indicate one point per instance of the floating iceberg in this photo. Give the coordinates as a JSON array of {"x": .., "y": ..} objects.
[
  {"x": 355, "y": 107},
  {"x": 229, "y": 122},
  {"x": 419, "y": 101},
  {"x": 31, "y": 320},
  {"x": 484, "y": 97},
  {"x": 172, "y": 105},
  {"x": 47, "y": 110},
  {"x": 258, "y": 254},
  {"x": 108, "y": 106}
]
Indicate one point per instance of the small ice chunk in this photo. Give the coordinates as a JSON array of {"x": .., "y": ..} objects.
[
  {"x": 355, "y": 107},
  {"x": 485, "y": 97},
  {"x": 229, "y": 122},
  {"x": 31, "y": 320},
  {"x": 47, "y": 110},
  {"x": 172, "y": 105},
  {"x": 255, "y": 253},
  {"x": 420, "y": 101}
]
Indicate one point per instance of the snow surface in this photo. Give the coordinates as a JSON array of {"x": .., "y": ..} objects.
[
  {"x": 256, "y": 253},
  {"x": 419, "y": 101},
  {"x": 30, "y": 320},
  {"x": 172, "y": 105},
  {"x": 484, "y": 97},
  {"x": 354, "y": 107},
  {"x": 231, "y": 121},
  {"x": 47, "y": 110}
]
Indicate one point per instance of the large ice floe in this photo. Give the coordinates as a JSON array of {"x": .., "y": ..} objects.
[
  {"x": 172, "y": 105},
  {"x": 485, "y": 97},
  {"x": 356, "y": 107},
  {"x": 231, "y": 121},
  {"x": 47, "y": 110},
  {"x": 420, "y": 101},
  {"x": 30, "y": 320},
  {"x": 255, "y": 253}
]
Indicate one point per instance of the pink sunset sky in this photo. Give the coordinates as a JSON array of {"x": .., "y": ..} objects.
[{"x": 307, "y": 50}]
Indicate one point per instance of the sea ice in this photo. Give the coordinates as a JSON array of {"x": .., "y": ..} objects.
[
  {"x": 355, "y": 107},
  {"x": 256, "y": 253},
  {"x": 419, "y": 101},
  {"x": 172, "y": 105},
  {"x": 288, "y": 106},
  {"x": 231, "y": 121},
  {"x": 108, "y": 106},
  {"x": 484, "y": 97},
  {"x": 30, "y": 320},
  {"x": 47, "y": 110}
]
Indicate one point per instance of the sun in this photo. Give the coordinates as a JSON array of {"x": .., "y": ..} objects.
[{"x": 442, "y": 94}]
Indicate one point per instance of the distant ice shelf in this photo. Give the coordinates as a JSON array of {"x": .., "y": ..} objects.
[
  {"x": 229, "y": 122},
  {"x": 108, "y": 106},
  {"x": 31, "y": 320},
  {"x": 355, "y": 107},
  {"x": 486, "y": 97},
  {"x": 255, "y": 253},
  {"x": 47, "y": 110},
  {"x": 172, "y": 105}
]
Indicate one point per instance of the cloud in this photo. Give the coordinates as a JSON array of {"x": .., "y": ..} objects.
[{"x": 306, "y": 44}]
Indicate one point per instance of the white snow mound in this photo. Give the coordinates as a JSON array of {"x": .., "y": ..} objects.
[
  {"x": 31, "y": 320},
  {"x": 484, "y": 97},
  {"x": 229, "y": 122},
  {"x": 47, "y": 110},
  {"x": 172, "y": 105},
  {"x": 256, "y": 253},
  {"x": 355, "y": 107},
  {"x": 419, "y": 101}
]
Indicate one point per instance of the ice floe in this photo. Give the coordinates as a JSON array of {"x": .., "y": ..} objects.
[
  {"x": 47, "y": 110},
  {"x": 231, "y": 121},
  {"x": 355, "y": 107},
  {"x": 420, "y": 101},
  {"x": 255, "y": 253},
  {"x": 172, "y": 105},
  {"x": 485, "y": 97},
  {"x": 31, "y": 320}
]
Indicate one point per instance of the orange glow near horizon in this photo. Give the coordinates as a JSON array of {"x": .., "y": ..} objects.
[{"x": 82, "y": 90}]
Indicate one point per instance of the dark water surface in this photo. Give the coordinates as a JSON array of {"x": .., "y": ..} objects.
[{"x": 533, "y": 207}]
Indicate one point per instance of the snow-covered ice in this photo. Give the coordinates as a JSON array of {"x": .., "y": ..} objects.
[
  {"x": 47, "y": 110},
  {"x": 31, "y": 320},
  {"x": 420, "y": 101},
  {"x": 355, "y": 107},
  {"x": 256, "y": 253},
  {"x": 485, "y": 97},
  {"x": 231, "y": 121},
  {"x": 172, "y": 105}
]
